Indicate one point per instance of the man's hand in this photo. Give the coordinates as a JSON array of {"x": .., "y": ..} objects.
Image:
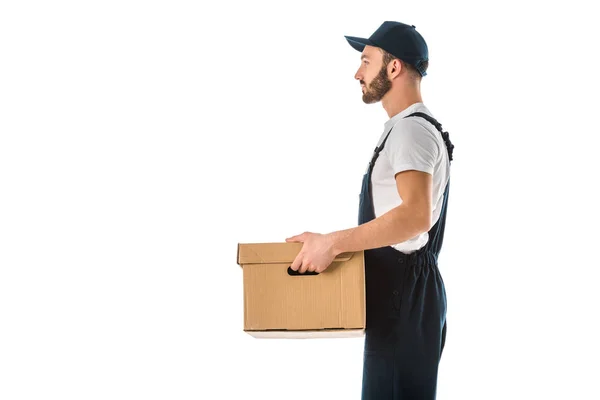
[{"x": 317, "y": 252}]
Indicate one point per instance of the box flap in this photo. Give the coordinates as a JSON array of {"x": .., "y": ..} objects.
[{"x": 274, "y": 253}]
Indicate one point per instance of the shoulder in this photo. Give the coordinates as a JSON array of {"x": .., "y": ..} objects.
[
  {"x": 408, "y": 125},
  {"x": 413, "y": 130}
]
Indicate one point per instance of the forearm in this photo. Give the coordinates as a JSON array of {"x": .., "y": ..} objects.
[{"x": 396, "y": 226}]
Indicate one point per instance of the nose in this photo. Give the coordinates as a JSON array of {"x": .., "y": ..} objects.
[{"x": 358, "y": 75}]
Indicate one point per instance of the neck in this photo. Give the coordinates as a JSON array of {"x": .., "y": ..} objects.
[{"x": 397, "y": 100}]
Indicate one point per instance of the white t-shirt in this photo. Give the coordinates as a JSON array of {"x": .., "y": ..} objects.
[{"x": 413, "y": 144}]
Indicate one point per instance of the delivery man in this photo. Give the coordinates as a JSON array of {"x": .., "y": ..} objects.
[{"x": 402, "y": 214}]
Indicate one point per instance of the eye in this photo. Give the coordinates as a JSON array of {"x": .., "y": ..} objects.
[{"x": 366, "y": 62}]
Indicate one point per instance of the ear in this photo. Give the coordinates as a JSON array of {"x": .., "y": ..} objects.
[{"x": 394, "y": 68}]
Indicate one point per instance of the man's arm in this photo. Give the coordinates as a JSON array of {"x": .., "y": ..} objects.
[{"x": 404, "y": 222}]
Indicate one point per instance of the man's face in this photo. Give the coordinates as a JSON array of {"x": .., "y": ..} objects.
[{"x": 372, "y": 75}]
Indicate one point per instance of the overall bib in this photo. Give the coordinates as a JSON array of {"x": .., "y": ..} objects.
[{"x": 405, "y": 305}]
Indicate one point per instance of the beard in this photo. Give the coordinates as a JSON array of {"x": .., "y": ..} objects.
[{"x": 378, "y": 87}]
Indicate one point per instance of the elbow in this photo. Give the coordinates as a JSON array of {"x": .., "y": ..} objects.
[
  {"x": 423, "y": 220},
  {"x": 427, "y": 225},
  {"x": 424, "y": 225},
  {"x": 418, "y": 221}
]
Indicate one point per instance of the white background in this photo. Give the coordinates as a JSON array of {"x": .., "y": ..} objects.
[{"x": 141, "y": 141}]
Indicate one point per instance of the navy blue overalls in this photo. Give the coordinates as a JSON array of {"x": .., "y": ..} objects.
[{"x": 406, "y": 307}]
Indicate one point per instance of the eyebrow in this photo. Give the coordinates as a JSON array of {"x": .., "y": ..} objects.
[{"x": 364, "y": 56}]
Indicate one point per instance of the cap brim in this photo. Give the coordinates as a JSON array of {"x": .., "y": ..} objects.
[{"x": 359, "y": 43}]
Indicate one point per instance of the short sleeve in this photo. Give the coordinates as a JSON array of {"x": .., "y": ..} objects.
[{"x": 411, "y": 146}]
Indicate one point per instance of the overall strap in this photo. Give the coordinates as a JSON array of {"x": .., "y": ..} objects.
[
  {"x": 438, "y": 126},
  {"x": 378, "y": 150}
]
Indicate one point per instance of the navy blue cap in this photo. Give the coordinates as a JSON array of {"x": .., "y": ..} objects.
[{"x": 400, "y": 40}]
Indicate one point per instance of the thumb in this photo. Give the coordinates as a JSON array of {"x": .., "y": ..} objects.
[{"x": 296, "y": 238}]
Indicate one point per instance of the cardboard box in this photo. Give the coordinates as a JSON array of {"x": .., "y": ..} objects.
[{"x": 281, "y": 303}]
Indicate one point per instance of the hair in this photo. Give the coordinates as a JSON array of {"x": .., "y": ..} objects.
[{"x": 413, "y": 73}]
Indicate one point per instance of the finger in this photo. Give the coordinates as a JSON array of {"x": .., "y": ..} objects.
[
  {"x": 296, "y": 264},
  {"x": 297, "y": 238},
  {"x": 303, "y": 267}
]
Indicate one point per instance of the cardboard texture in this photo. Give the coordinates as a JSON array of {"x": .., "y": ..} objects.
[{"x": 279, "y": 305}]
